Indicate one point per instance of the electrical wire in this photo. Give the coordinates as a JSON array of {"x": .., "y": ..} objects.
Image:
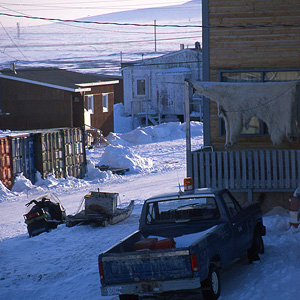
[
  {"x": 157, "y": 25},
  {"x": 103, "y": 43},
  {"x": 99, "y": 23},
  {"x": 15, "y": 44}
]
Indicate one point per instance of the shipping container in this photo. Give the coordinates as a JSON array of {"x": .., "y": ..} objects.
[
  {"x": 22, "y": 154},
  {"x": 75, "y": 156},
  {"x": 58, "y": 151},
  {"x": 49, "y": 152},
  {"x": 6, "y": 175}
]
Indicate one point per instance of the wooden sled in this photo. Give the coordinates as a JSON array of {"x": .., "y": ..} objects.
[{"x": 100, "y": 209}]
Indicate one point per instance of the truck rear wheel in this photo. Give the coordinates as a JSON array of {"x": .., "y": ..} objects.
[
  {"x": 128, "y": 297},
  {"x": 211, "y": 287}
]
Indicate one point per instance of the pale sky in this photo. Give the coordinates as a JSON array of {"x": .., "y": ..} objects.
[{"x": 70, "y": 9}]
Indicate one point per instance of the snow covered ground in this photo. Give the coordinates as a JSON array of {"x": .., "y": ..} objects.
[{"x": 62, "y": 264}]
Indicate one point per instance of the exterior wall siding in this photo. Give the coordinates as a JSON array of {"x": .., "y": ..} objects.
[
  {"x": 256, "y": 47},
  {"x": 152, "y": 70},
  {"x": 36, "y": 107}
]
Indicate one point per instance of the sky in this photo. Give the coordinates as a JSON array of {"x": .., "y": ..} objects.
[{"x": 69, "y": 9}]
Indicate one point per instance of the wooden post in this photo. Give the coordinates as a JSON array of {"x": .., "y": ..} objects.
[
  {"x": 154, "y": 35},
  {"x": 188, "y": 96}
]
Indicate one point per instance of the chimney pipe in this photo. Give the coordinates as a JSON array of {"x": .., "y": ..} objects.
[{"x": 13, "y": 68}]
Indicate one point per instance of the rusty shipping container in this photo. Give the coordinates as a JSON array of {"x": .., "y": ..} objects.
[{"x": 6, "y": 175}]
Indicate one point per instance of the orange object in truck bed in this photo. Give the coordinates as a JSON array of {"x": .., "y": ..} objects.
[
  {"x": 145, "y": 244},
  {"x": 165, "y": 244}
]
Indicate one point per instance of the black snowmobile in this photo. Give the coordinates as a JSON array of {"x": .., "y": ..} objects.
[{"x": 46, "y": 212}]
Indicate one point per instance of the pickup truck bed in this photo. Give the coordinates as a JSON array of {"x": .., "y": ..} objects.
[{"x": 202, "y": 244}]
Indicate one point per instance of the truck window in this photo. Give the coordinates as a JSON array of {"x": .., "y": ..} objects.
[
  {"x": 231, "y": 203},
  {"x": 182, "y": 210}
]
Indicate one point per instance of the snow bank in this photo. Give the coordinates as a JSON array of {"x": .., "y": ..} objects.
[
  {"x": 22, "y": 184},
  {"x": 153, "y": 134},
  {"x": 123, "y": 157}
]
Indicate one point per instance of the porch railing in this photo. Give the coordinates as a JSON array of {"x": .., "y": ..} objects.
[{"x": 240, "y": 170}]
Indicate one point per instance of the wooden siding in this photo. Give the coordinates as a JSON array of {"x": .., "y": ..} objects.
[
  {"x": 251, "y": 48},
  {"x": 36, "y": 107},
  {"x": 257, "y": 170}
]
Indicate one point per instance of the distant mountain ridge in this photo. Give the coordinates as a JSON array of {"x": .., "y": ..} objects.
[{"x": 188, "y": 12}]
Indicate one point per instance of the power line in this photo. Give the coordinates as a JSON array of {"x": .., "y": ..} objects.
[
  {"x": 14, "y": 44},
  {"x": 97, "y": 22},
  {"x": 151, "y": 25},
  {"x": 103, "y": 43}
]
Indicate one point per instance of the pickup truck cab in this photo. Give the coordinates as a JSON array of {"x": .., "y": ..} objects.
[{"x": 183, "y": 240}]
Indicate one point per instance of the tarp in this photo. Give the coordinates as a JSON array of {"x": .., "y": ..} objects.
[{"x": 272, "y": 102}]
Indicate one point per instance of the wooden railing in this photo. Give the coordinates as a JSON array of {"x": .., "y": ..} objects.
[{"x": 239, "y": 170}]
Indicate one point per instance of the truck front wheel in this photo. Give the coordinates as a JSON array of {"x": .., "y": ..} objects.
[
  {"x": 211, "y": 287},
  {"x": 257, "y": 247}
]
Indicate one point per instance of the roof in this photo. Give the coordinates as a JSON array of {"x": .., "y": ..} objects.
[
  {"x": 58, "y": 78},
  {"x": 166, "y": 57}
]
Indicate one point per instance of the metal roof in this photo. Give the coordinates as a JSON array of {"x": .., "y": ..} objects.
[{"x": 57, "y": 78}]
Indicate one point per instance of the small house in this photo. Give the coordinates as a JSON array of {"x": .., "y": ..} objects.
[
  {"x": 42, "y": 98},
  {"x": 154, "y": 88}
]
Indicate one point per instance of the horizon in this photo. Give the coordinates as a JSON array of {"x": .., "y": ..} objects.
[{"x": 68, "y": 9}]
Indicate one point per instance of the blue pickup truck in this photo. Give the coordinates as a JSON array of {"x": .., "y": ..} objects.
[{"x": 183, "y": 240}]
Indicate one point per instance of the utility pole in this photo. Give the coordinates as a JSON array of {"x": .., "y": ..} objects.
[
  {"x": 18, "y": 30},
  {"x": 188, "y": 98},
  {"x": 155, "y": 35}
]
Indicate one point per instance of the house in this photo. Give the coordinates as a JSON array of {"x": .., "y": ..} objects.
[
  {"x": 99, "y": 103},
  {"x": 41, "y": 98},
  {"x": 154, "y": 88},
  {"x": 250, "y": 80}
]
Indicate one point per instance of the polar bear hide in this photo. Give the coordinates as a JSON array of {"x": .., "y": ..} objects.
[{"x": 272, "y": 102}]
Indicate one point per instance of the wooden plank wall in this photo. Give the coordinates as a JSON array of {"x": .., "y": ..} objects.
[
  {"x": 34, "y": 107},
  {"x": 263, "y": 170},
  {"x": 252, "y": 47}
]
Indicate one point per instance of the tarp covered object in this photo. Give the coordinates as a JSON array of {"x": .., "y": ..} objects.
[{"x": 272, "y": 102}]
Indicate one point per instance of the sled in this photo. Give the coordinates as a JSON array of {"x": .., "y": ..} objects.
[
  {"x": 118, "y": 171},
  {"x": 100, "y": 209}
]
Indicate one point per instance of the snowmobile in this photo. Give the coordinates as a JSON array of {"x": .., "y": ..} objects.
[{"x": 46, "y": 213}]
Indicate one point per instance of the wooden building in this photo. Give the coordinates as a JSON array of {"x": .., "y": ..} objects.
[
  {"x": 42, "y": 98},
  {"x": 250, "y": 42},
  {"x": 99, "y": 106},
  {"x": 154, "y": 88}
]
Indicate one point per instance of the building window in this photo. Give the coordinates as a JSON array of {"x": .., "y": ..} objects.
[
  {"x": 256, "y": 127},
  {"x": 105, "y": 102},
  {"x": 91, "y": 103},
  {"x": 141, "y": 87}
]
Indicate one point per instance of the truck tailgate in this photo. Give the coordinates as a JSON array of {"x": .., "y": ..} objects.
[{"x": 146, "y": 265}]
